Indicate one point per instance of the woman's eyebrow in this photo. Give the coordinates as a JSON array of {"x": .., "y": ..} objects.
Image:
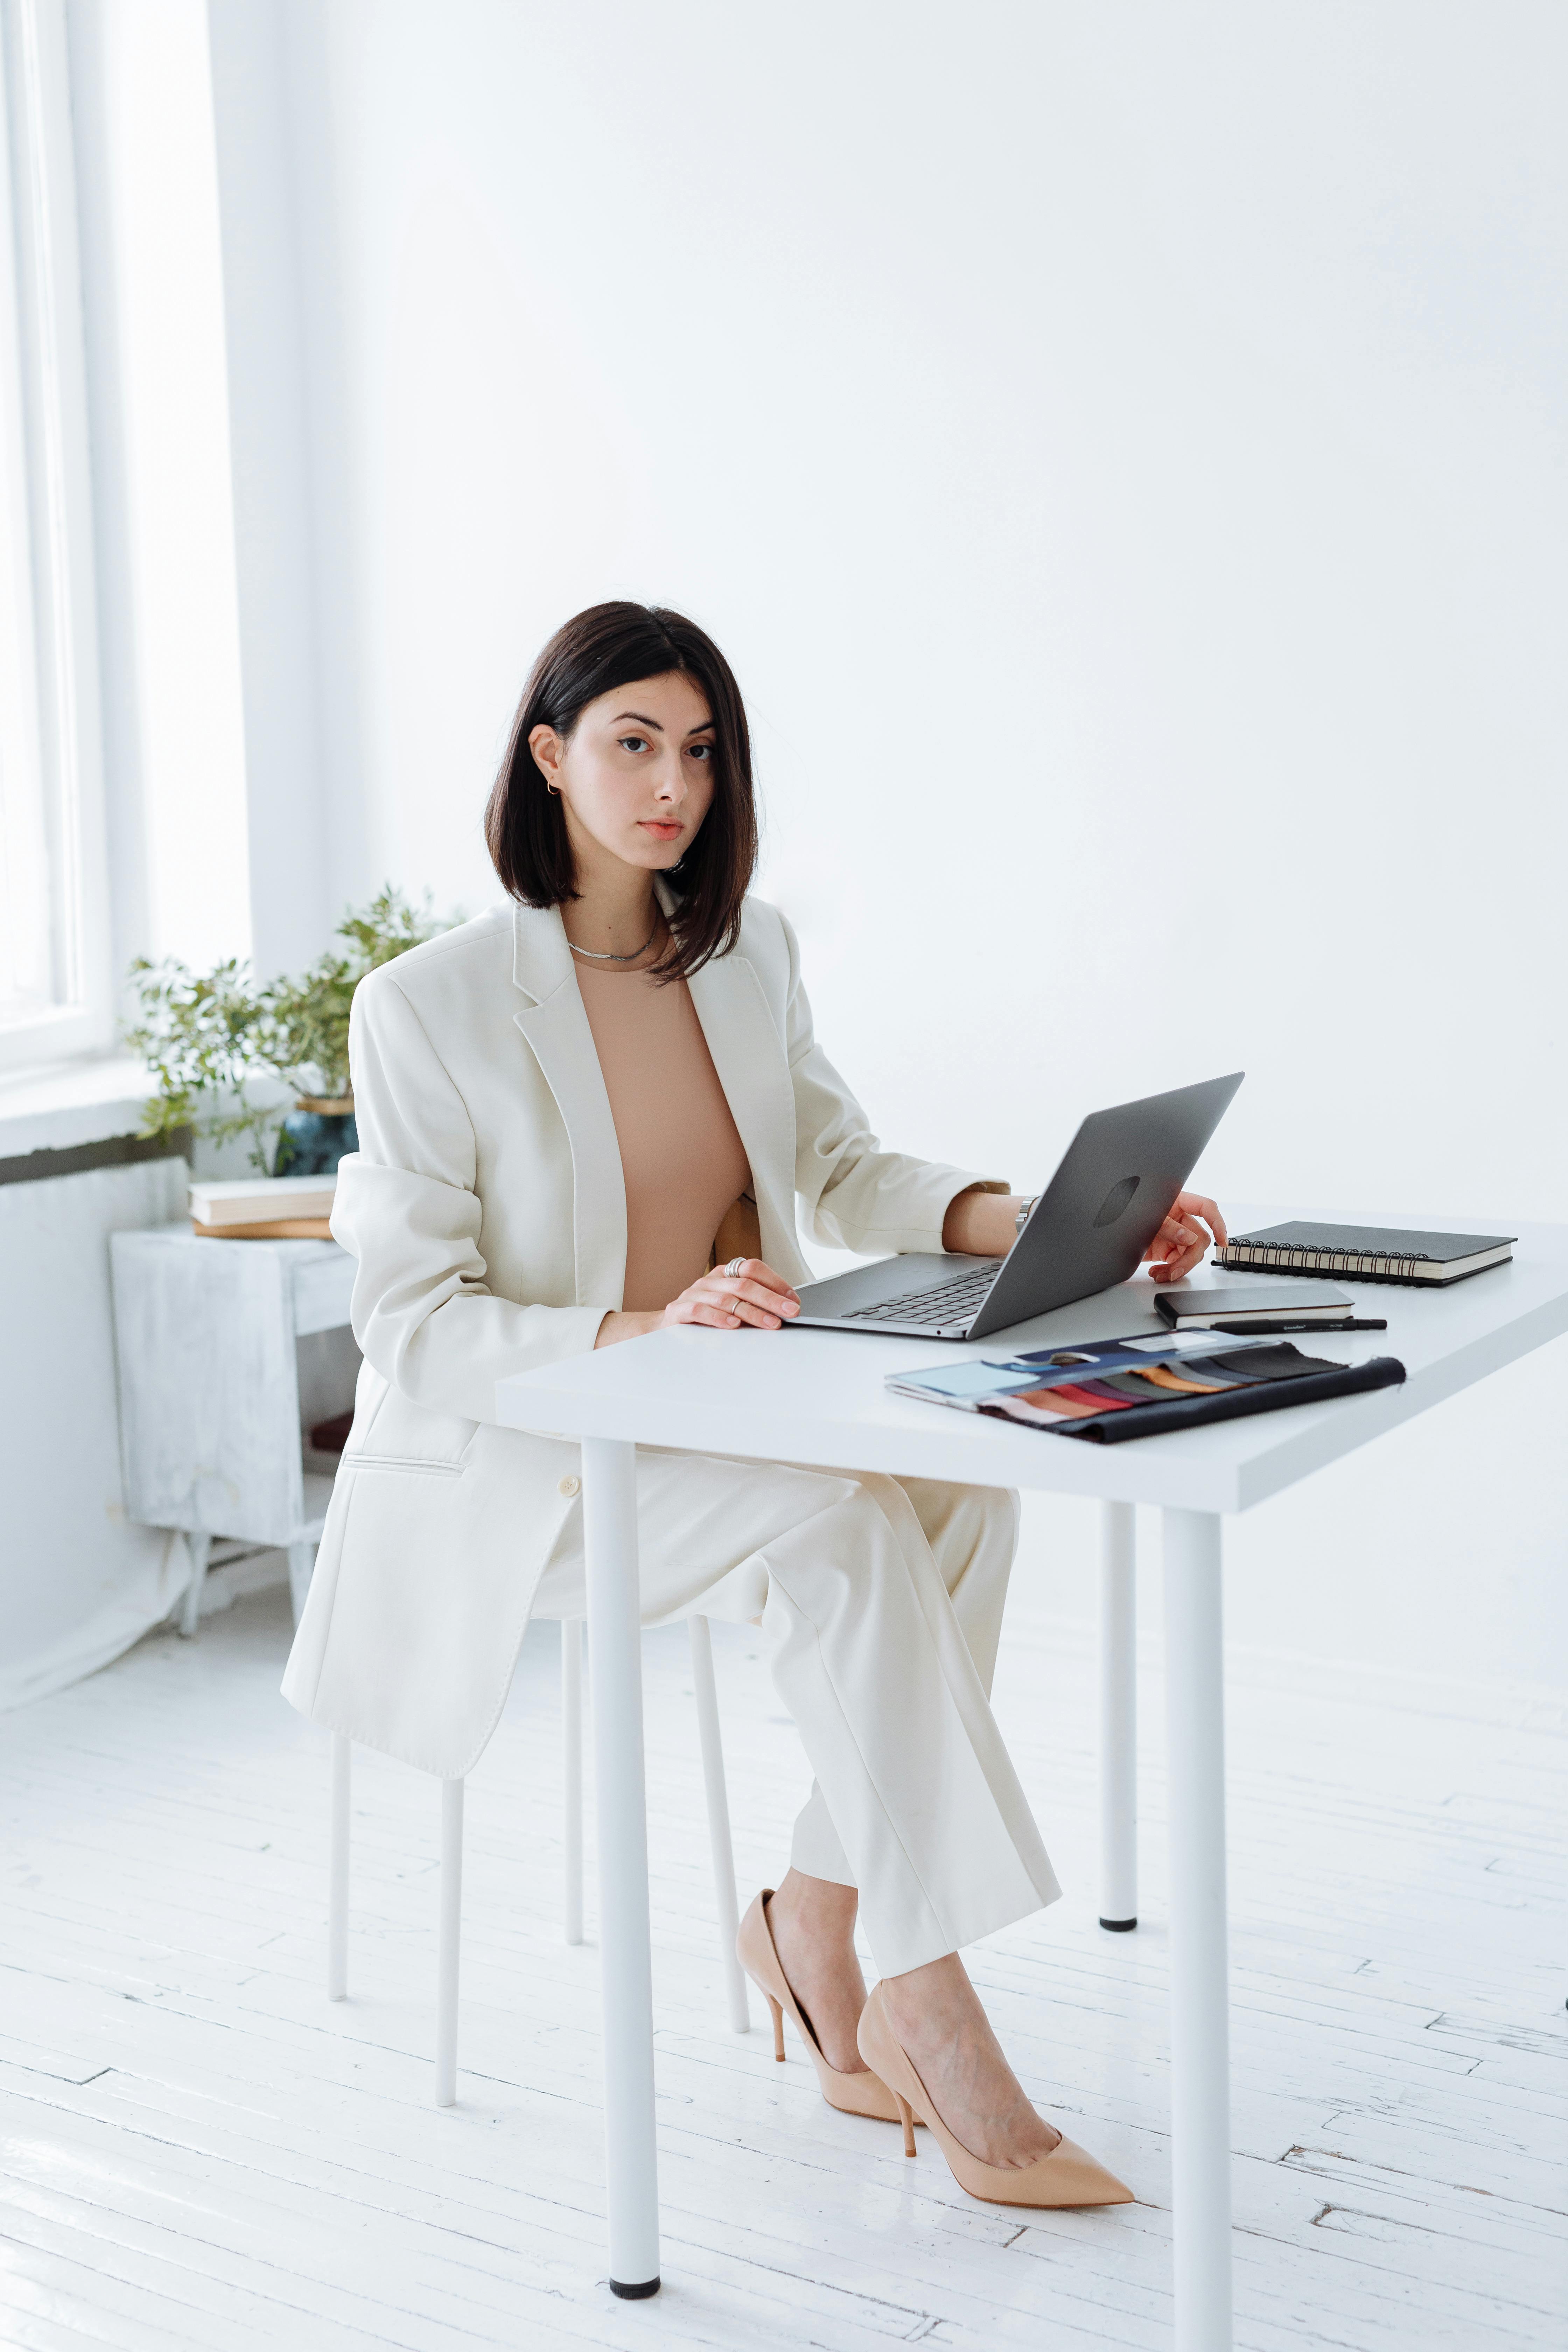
[{"x": 643, "y": 721}]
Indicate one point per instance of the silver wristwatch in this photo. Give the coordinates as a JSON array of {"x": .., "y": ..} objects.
[{"x": 1024, "y": 1214}]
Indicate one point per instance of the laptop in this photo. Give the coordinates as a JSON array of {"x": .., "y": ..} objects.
[{"x": 1117, "y": 1183}]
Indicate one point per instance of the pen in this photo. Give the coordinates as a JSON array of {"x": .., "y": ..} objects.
[{"x": 1351, "y": 1323}]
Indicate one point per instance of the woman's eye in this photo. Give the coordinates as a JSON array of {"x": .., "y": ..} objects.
[
  {"x": 701, "y": 751},
  {"x": 632, "y": 742}
]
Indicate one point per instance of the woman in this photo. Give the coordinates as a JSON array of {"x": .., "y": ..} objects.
[{"x": 589, "y": 1114}]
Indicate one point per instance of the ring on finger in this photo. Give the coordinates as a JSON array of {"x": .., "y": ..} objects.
[{"x": 736, "y": 1265}]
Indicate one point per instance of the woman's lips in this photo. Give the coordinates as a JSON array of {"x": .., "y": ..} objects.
[{"x": 660, "y": 831}]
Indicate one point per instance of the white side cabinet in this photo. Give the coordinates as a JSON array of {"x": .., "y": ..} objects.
[{"x": 221, "y": 1371}]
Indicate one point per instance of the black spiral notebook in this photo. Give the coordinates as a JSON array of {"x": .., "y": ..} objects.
[{"x": 1366, "y": 1253}]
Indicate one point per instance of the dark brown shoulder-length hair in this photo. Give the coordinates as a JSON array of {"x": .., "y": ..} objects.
[{"x": 607, "y": 647}]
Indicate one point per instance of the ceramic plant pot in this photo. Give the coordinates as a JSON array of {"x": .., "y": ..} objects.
[{"x": 315, "y": 1136}]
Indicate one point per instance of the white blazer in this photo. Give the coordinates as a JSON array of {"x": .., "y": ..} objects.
[{"x": 486, "y": 1208}]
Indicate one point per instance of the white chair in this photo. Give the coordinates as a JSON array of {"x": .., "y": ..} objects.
[{"x": 451, "y": 1893}]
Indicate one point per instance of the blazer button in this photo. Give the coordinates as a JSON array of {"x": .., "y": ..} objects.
[{"x": 570, "y": 1486}]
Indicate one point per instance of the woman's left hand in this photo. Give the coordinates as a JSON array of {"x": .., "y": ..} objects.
[{"x": 1181, "y": 1242}]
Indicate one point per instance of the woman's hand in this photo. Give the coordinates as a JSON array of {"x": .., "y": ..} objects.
[
  {"x": 756, "y": 1295},
  {"x": 725, "y": 1301},
  {"x": 1181, "y": 1241},
  {"x": 984, "y": 1224}
]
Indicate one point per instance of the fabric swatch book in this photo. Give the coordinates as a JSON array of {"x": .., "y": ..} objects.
[
  {"x": 1113, "y": 1390},
  {"x": 1366, "y": 1253}
]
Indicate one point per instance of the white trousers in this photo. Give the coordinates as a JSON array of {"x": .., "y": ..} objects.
[{"x": 880, "y": 1601}]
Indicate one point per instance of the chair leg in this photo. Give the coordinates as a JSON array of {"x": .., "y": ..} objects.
[
  {"x": 338, "y": 1873},
  {"x": 572, "y": 1770},
  {"x": 451, "y": 1925},
  {"x": 719, "y": 1836},
  {"x": 198, "y": 1546}
]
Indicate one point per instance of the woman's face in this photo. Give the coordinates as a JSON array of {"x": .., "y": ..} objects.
[{"x": 636, "y": 778}]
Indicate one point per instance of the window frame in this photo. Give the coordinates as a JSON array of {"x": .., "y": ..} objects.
[{"x": 36, "y": 151}]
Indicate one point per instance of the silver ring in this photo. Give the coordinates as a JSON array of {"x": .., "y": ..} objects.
[{"x": 737, "y": 1266}]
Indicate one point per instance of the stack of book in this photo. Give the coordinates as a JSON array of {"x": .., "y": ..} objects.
[{"x": 265, "y": 1208}]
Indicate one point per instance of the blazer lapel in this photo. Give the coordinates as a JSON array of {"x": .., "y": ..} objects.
[
  {"x": 557, "y": 1028},
  {"x": 749, "y": 1056}
]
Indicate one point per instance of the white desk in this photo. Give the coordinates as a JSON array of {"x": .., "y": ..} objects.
[{"x": 818, "y": 1397}]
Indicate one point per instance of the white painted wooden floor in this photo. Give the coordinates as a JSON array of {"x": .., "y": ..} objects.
[{"x": 196, "y": 2149}]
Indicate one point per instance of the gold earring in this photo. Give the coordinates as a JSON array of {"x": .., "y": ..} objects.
[{"x": 555, "y": 790}]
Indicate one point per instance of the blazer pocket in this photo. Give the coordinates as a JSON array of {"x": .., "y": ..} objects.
[
  {"x": 425, "y": 1469},
  {"x": 409, "y": 1436}
]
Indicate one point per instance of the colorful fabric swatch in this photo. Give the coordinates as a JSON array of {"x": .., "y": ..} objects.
[
  {"x": 1109, "y": 1390},
  {"x": 1162, "y": 1376}
]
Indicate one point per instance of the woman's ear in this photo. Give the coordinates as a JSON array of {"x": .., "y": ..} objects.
[{"x": 548, "y": 749}]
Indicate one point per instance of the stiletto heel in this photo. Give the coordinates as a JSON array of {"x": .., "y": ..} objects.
[
  {"x": 852, "y": 2094},
  {"x": 907, "y": 2117},
  {"x": 1069, "y": 2175}
]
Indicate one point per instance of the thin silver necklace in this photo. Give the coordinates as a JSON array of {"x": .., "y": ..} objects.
[{"x": 608, "y": 955}]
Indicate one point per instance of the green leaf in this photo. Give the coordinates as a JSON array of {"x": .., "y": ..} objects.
[{"x": 202, "y": 1034}]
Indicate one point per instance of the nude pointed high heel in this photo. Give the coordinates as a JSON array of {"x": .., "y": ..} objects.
[
  {"x": 852, "y": 2094},
  {"x": 1069, "y": 2175}
]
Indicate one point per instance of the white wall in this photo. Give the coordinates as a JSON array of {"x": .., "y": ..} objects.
[
  {"x": 78, "y": 1581},
  {"x": 260, "y": 200},
  {"x": 1121, "y": 450}
]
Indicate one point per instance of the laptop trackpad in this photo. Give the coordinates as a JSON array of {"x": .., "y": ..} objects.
[{"x": 889, "y": 1277}]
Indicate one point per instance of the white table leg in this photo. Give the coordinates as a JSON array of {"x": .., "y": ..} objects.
[
  {"x": 572, "y": 1772},
  {"x": 614, "y": 1637},
  {"x": 450, "y": 1935},
  {"x": 338, "y": 1873},
  {"x": 1118, "y": 1717},
  {"x": 1200, "y": 2005},
  {"x": 720, "y": 1841},
  {"x": 198, "y": 1546}
]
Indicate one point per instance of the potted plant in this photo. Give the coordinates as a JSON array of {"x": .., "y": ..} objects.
[{"x": 204, "y": 1036}]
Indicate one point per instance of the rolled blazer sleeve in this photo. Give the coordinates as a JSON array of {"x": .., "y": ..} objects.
[
  {"x": 405, "y": 1207},
  {"x": 852, "y": 1194}
]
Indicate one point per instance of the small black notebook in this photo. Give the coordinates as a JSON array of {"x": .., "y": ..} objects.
[
  {"x": 1366, "y": 1253},
  {"x": 1206, "y": 1306}
]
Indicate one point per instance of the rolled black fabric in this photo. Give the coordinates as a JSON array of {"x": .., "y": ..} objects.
[
  {"x": 1284, "y": 1362},
  {"x": 1272, "y": 1396}
]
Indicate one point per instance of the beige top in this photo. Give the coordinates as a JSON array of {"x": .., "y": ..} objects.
[{"x": 681, "y": 1153}]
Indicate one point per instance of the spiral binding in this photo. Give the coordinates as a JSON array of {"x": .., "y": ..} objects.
[{"x": 1279, "y": 1257}]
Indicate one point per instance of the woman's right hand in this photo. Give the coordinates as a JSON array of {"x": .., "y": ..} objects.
[
  {"x": 725, "y": 1301},
  {"x": 756, "y": 1295}
]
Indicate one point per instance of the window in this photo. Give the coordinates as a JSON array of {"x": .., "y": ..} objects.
[{"x": 54, "y": 988}]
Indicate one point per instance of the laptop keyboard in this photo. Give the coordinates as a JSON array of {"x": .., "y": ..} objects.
[{"x": 953, "y": 1301}]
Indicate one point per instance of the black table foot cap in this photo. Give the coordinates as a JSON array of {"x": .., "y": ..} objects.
[
  {"x": 1119, "y": 1927},
  {"x": 634, "y": 2293}
]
